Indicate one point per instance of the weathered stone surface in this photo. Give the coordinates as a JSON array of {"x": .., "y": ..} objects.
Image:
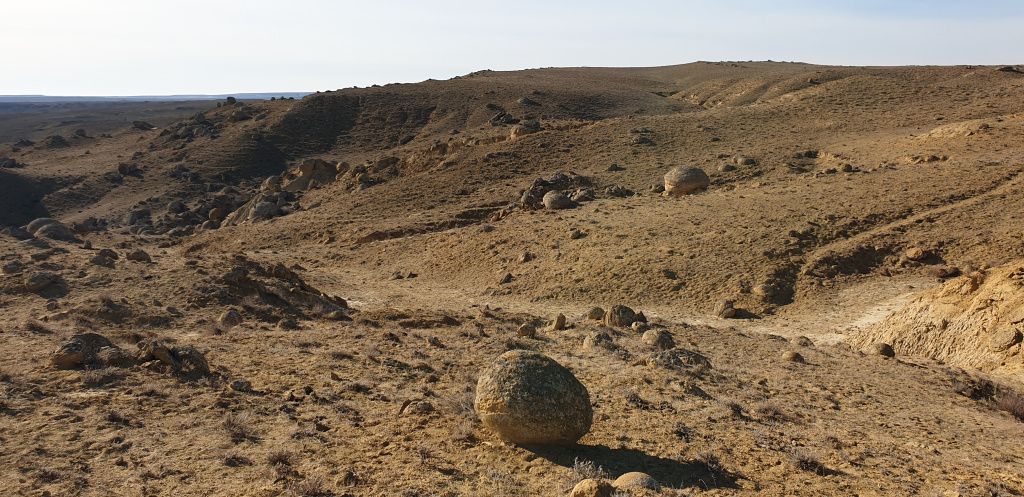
[
  {"x": 882, "y": 349},
  {"x": 527, "y": 398},
  {"x": 684, "y": 180},
  {"x": 41, "y": 280},
  {"x": 555, "y": 200},
  {"x": 636, "y": 480},
  {"x": 619, "y": 316},
  {"x": 659, "y": 339},
  {"x": 80, "y": 350},
  {"x": 592, "y": 488}
]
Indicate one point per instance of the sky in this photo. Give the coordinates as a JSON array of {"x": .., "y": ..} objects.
[{"x": 149, "y": 47}]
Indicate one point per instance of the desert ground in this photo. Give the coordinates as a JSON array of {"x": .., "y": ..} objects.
[{"x": 296, "y": 297}]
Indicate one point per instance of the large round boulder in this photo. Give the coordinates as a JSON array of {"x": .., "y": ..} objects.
[
  {"x": 34, "y": 226},
  {"x": 55, "y": 231},
  {"x": 527, "y": 398},
  {"x": 684, "y": 180}
]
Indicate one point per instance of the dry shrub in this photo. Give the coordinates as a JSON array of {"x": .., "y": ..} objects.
[
  {"x": 36, "y": 326},
  {"x": 770, "y": 412},
  {"x": 734, "y": 407},
  {"x": 239, "y": 426},
  {"x": 310, "y": 486},
  {"x": 100, "y": 377},
  {"x": 339, "y": 354},
  {"x": 805, "y": 460},
  {"x": 708, "y": 457},
  {"x": 153, "y": 389},
  {"x": 280, "y": 457},
  {"x": 1011, "y": 402},
  {"x": 503, "y": 483},
  {"x": 234, "y": 459},
  {"x": 120, "y": 416},
  {"x": 583, "y": 470}
]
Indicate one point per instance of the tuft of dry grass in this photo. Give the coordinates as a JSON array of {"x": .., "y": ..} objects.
[
  {"x": 280, "y": 457},
  {"x": 233, "y": 458},
  {"x": 768, "y": 411},
  {"x": 805, "y": 460},
  {"x": 152, "y": 389},
  {"x": 36, "y": 326},
  {"x": 310, "y": 486},
  {"x": 339, "y": 354},
  {"x": 582, "y": 470},
  {"x": 708, "y": 457},
  {"x": 100, "y": 377},
  {"x": 239, "y": 426},
  {"x": 1011, "y": 402}
]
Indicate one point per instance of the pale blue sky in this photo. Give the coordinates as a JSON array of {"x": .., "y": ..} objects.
[{"x": 133, "y": 47}]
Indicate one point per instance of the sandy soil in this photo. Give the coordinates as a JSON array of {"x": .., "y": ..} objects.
[{"x": 838, "y": 195}]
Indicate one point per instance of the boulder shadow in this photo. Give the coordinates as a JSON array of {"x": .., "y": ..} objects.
[{"x": 669, "y": 472}]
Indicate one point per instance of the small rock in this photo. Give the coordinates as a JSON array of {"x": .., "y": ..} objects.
[
  {"x": 916, "y": 253},
  {"x": 595, "y": 314},
  {"x": 724, "y": 309},
  {"x": 592, "y": 488},
  {"x": 619, "y": 316},
  {"x": 138, "y": 255},
  {"x": 41, "y": 280},
  {"x": 598, "y": 339},
  {"x": 791, "y": 356},
  {"x": 526, "y": 330},
  {"x": 527, "y": 398},
  {"x": 12, "y": 267},
  {"x": 725, "y": 168},
  {"x": 420, "y": 407},
  {"x": 230, "y": 318},
  {"x": 558, "y": 323},
  {"x": 636, "y": 481},
  {"x": 1004, "y": 339},
  {"x": 241, "y": 386},
  {"x": 287, "y": 324},
  {"x": 38, "y": 223},
  {"x": 575, "y": 234},
  {"x": 882, "y": 349},
  {"x": 659, "y": 339},
  {"x": 684, "y": 180},
  {"x": 506, "y": 279},
  {"x": 742, "y": 160},
  {"x": 555, "y": 200},
  {"x": 80, "y": 350},
  {"x": 639, "y": 326},
  {"x": 802, "y": 342}
]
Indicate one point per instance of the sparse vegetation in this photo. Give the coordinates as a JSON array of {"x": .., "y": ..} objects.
[
  {"x": 805, "y": 460},
  {"x": 239, "y": 426}
]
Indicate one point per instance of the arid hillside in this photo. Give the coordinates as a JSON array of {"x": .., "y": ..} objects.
[{"x": 299, "y": 295}]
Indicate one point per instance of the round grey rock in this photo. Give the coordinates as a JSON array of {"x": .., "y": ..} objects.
[{"x": 555, "y": 200}]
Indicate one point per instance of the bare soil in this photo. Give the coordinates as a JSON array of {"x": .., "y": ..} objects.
[{"x": 850, "y": 193}]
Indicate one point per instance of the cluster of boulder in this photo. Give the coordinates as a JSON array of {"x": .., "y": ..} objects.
[
  {"x": 560, "y": 191},
  {"x": 279, "y": 194},
  {"x": 627, "y": 483},
  {"x": 92, "y": 350}
]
